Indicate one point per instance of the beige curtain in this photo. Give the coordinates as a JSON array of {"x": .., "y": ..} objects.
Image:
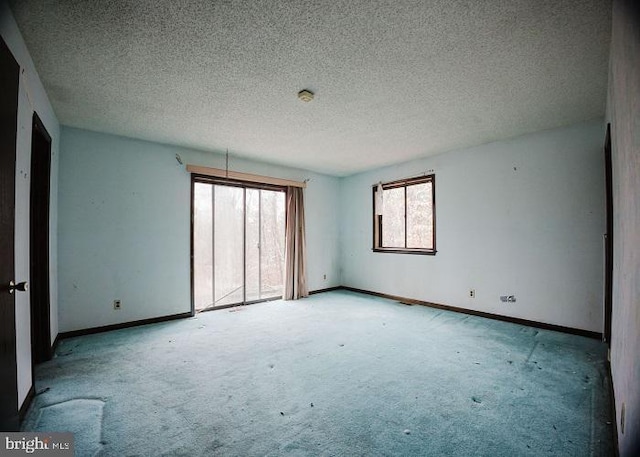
[{"x": 295, "y": 256}]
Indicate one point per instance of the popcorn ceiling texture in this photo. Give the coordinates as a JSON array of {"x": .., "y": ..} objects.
[{"x": 394, "y": 80}]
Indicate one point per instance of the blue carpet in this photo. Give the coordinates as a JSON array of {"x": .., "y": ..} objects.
[{"x": 336, "y": 374}]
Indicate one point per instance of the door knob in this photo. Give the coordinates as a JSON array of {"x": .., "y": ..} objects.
[{"x": 21, "y": 286}]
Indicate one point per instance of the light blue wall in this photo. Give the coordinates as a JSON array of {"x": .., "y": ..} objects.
[
  {"x": 124, "y": 230},
  {"x": 31, "y": 97},
  {"x": 522, "y": 217}
]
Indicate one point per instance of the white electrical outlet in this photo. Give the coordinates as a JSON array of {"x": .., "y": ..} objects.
[
  {"x": 117, "y": 304},
  {"x": 472, "y": 293}
]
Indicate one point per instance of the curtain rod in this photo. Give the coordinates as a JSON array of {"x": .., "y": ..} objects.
[{"x": 218, "y": 173}]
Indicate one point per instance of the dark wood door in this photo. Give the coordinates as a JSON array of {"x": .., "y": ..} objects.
[
  {"x": 9, "y": 77},
  {"x": 39, "y": 242}
]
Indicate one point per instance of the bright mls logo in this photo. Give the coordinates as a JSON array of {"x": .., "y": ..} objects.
[{"x": 50, "y": 444}]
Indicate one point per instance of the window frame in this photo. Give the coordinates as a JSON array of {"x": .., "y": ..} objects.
[{"x": 377, "y": 219}]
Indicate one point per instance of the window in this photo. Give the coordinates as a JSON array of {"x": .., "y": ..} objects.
[
  {"x": 238, "y": 234},
  {"x": 404, "y": 218}
]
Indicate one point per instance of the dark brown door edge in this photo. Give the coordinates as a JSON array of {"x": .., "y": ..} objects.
[{"x": 39, "y": 242}]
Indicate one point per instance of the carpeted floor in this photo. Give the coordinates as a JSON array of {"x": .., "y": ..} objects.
[{"x": 336, "y": 374}]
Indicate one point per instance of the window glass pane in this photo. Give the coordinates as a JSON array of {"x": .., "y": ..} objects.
[
  {"x": 419, "y": 216},
  {"x": 393, "y": 218},
  {"x": 252, "y": 244},
  {"x": 272, "y": 243},
  {"x": 228, "y": 242},
  {"x": 202, "y": 246}
]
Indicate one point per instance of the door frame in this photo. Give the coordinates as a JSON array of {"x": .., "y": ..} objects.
[
  {"x": 39, "y": 268},
  {"x": 198, "y": 178}
]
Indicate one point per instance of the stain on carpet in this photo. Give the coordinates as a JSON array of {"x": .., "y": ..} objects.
[
  {"x": 535, "y": 345},
  {"x": 80, "y": 416}
]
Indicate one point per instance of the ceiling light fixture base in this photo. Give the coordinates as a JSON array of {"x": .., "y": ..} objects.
[{"x": 305, "y": 95}]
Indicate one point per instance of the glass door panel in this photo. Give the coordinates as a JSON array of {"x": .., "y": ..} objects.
[
  {"x": 252, "y": 244},
  {"x": 272, "y": 225},
  {"x": 238, "y": 244},
  {"x": 202, "y": 246},
  {"x": 228, "y": 230}
]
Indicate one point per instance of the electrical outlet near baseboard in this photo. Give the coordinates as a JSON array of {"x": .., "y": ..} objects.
[
  {"x": 117, "y": 304},
  {"x": 472, "y": 293}
]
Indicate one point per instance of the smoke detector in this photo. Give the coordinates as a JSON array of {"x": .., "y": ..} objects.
[{"x": 305, "y": 95}]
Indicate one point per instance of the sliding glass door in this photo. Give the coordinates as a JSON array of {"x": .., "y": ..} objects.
[{"x": 238, "y": 243}]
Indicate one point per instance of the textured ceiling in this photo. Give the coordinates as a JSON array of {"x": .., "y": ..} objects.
[{"x": 394, "y": 80}]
